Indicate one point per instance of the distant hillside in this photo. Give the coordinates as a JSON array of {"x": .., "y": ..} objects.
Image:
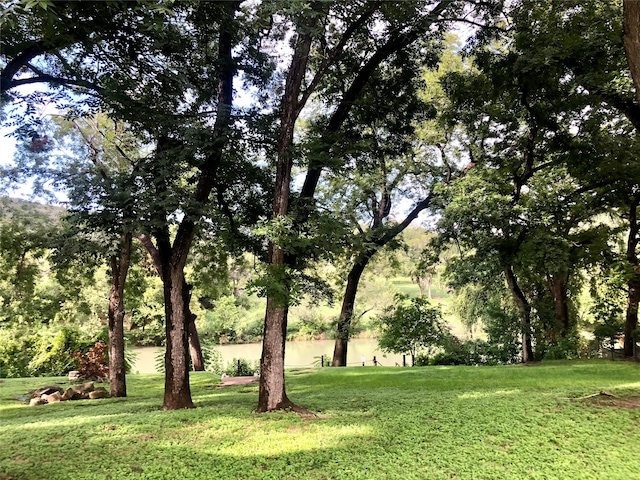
[{"x": 17, "y": 206}]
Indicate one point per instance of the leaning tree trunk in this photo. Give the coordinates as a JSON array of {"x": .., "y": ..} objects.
[
  {"x": 346, "y": 313},
  {"x": 353, "y": 279},
  {"x": 524, "y": 310},
  {"x": 117, "y": 365},
  {"x": 195, "y": 348}
]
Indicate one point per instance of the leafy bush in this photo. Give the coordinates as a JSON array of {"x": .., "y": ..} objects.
[
  {"x": 241, "y": 367},
  {"x": 16, "y": 351},
  {"x": 564, "y": 349},
  {"x": 222, "y": 324},
  {"x": 53, "y": 356},
  {"x": 24, "y": 353},
  {"x": 455, "y": 351},
  {"x": 150, "y": 334},
  {"x": 310, "y": 326},
  {"x": 93, "y": 364},
  {"x": 411, "y": 325},
  {"x": 212, "y": 359},
  {"x": 322, "y": 360}
]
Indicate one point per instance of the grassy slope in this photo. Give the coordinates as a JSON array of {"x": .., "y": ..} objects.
[{"x": 422, "y": 423}]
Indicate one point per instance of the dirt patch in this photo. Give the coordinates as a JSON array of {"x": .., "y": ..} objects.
[
  {"x": 630, "y": 403},
  {"x": 606, "y": 399},
  {"x": 233, "y": 381}
]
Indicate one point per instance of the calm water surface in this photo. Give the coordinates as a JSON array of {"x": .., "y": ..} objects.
[{"x": 298, "y": 354}]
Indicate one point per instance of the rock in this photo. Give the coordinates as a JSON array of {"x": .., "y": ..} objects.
[
  {"x": 55, "y": 397},
  {"x": 48, "y": 390},
  {"x": 37, "y": 401},
  {"x": 71, "y": 394},
  {"x": 84, "y": 389},
  {"x": 99, "y": 392},
  {"x": 74, "y": 375}
]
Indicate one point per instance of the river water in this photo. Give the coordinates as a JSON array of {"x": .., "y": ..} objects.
[{"x": 298, "y": 354}]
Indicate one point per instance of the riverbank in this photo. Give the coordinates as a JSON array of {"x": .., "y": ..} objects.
[{"x": 298, "y": 354}]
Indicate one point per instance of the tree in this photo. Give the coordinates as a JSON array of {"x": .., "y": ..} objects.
[
  {"x": 26, "y": 239},
  {"x": 328, "y": 47},
  {"x": 142, "y": 80},
  {"x": 565, "y": 95},
  {"x": 410, "y": 326},
  {"x": 91, "y": 160},
  {"x": 631, "y": 40},
  {"x": 405, "y": 154}
]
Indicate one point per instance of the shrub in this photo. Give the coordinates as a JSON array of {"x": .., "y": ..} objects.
[
  {"x": 212, "y": 359},
  {"x": 241, "y": 367},
  {"x": 411, "y": 325},
  {"x": 565, "y": 348},
  {"x": 53, "y": 356},
  {"x": 322, "y": 360},
  {"x": 93, "y": 364},
  {"x": 16, "y": 351}
]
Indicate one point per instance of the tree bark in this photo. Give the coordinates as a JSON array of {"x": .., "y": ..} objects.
[
  {"x": 117, "y": 366},
  {"x": 177, "y": 391},
  {"x": 525, "y": 313},
  {"x": 633, "y": 283},
  {"x": 631, "y": 320},
  {"x": 631, "y": 39},
  {"x": 195, "y": 348},
  {"x": 272, "y": 393},
  {"x": 558, "y": 283}
]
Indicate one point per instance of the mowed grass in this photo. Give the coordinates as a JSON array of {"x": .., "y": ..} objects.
[{"x": 509, "y": 422}]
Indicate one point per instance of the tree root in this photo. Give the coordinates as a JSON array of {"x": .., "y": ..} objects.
[
  {"x": 301, "y": 410},
  {"x": 602, "y": 393},
  {"x": 289, "y": 406}
]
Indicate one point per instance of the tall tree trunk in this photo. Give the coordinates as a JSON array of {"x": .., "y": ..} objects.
[
  {"x": 631, "y": 40},
  {"x": 633, "y": 284},
  {"x": 117, "y": 366},
  {"x": 558, "y": 283},
  {"x": 195, "y": 348},
  {"x": 272, "y": 394},
  {"x": 525, "y": 313},
  {"x": 177, "y": 391},
  {"x": 346, "y": 313}
]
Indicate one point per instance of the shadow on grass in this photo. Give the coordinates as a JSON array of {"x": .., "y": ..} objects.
[{"x": 373, "y": 423}]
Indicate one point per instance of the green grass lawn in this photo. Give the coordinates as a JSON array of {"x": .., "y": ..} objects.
[{"x": 509, "y": 422}]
